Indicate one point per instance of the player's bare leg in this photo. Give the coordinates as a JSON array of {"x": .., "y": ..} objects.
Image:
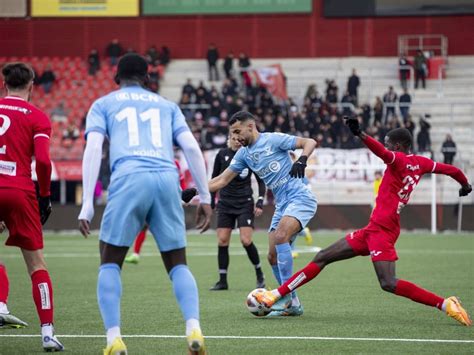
[
  {"x": 223, "y": 240},
  {"x": 385, "y": 271},
  {"x": 252, "y": 253},
  {"x": 186, "y": 293},
  {"x": 7, "y": 320},
  {"x": 43, "y": 296},
  {"x": 340, "y": 250}
]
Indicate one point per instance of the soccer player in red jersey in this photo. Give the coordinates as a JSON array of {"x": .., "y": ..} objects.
[
  {"x": 24, "y": 132},
  {"x": 378, "y": 238}
]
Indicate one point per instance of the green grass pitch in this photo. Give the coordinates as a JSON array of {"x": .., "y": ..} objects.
[{"x": 345, "y": 301}]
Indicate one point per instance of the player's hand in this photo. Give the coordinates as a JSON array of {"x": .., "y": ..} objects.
[
  {"x": 465, "y": 190},
  {"x": 84, "y": 227},
  {"x": 3, "y": 226},
  {"x": 203, "y": 217},
  {"x": 188, "y": 194},
  {"x": 258, "y": 208},
  {"x": 44, "y": 208},
  {"x": 353, "y": 124},
  {"x": 297, "y": 170}
]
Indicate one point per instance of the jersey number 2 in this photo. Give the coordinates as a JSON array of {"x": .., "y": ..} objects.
[
  {"x": 3, "y": 129},
  {"x": 152, "y": 115}
]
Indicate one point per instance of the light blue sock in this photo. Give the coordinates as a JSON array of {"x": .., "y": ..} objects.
[
  {"x": 285, "y": 263},
  {"x": 185, "y": 291},
  {"x": 276, "y": 273},
  {"x": 109, "y": 291}
]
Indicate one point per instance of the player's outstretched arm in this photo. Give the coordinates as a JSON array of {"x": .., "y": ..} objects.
[
  {"x": 299, "y": 166},
  {"x": 196, "y": 164},
  {"x": 375, "y": 146},
  {"x": 90, "y": 172},
  {"x": 456, "y": 174},
  {"x": 222, "y": 180}
]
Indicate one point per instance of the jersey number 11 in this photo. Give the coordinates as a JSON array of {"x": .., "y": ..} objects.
[{"x": 152, "y": 115}]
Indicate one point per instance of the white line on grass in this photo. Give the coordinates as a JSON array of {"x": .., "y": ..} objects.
[{"x": 253, "y": 337}]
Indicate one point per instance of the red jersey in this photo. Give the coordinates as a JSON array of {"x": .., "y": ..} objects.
[
  {"x": 24, "y": 132},
  {"x": 182, "y": 181},
  {"x": 403, "y": 173}
]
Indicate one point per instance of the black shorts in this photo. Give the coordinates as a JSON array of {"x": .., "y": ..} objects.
[{"x": 226, "y": 217}]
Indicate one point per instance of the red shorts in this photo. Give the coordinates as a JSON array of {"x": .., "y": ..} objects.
[
  {"x": 375, "y": 241},
  {"x": 20, "y": 211}
]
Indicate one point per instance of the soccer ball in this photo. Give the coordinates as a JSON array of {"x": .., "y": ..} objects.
[{"x": 257, "y": 309}]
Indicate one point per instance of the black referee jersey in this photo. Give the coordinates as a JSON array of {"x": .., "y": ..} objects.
[{"x": 239, "y": 191}]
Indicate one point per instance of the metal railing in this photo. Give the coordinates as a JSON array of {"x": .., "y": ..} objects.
[{"x": 408, "y": 43}]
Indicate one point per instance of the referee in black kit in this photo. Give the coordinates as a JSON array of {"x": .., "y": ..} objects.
[{"x": 236, "y": 204}]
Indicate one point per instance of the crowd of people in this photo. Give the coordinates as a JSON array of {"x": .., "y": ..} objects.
[{"x": 207, "y": 110}]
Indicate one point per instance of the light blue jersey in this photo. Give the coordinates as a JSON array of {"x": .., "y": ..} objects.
[
  {"x": 141, "y": 127},
  {"x": 268, "y": 157}
]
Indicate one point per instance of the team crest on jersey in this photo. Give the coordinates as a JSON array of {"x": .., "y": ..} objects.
[
  {"x": 244, "y": 173},
  {"x": 255, "y": 157}
]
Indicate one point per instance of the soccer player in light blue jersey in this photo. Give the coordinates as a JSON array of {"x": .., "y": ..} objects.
[
  {"x": 267, "y": 155},
  {"x": 142, "y": 127}
]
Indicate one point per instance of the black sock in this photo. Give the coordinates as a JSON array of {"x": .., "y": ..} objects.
[
  {"x": 223, "y": 262},
  {"x": 252, "y": 253}
]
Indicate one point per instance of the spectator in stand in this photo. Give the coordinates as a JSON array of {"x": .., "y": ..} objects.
[
  {"x": 244, "y": 62},
  {"x": 188, "y": 89},
  {"x": 165, "y": 56},
  {"x": 152, "y": 56},
  {"x": 404, "y": 71},
  {"x": 348, "y": 103},
  {"x": 212, "y": 58},
  {"x": 449, "y": 150},
  {"x": 410, "y": 125},
  {"x": 47, "y": 79},
  {"x": 229, "y": 65},
  {"x": 59, "y": 113},
  {"x": 70, "y": 134},
  {"x": 114, "y": 51},
  {"x": 93, "y": 61},
  {"x": 378, "y": 110},
  {"x": 154, "y": 80},
  {"x": 420, "y": 68},
  {"x": 366, "y": 115},
  {"x": 353, "y": 84},
  {"x": 423, "y": 138},
  {"x": 404, "y": 103},
  {"x": 390, "y": 100}
]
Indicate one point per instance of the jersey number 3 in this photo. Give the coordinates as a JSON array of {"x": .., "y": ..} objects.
[{"x": 152, "y": 115}]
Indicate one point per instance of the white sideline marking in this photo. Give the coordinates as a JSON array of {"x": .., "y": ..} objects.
[
  {"x": 252, "y": 337},
  {"x": 309, "y": 250}
]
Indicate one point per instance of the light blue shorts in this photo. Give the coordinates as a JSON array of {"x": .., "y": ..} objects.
[
  {"x": 300, "y": 204},
  {"x": 151, "y": 197}
]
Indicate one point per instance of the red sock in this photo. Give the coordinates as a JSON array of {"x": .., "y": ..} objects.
[
  {"x": 418, "y": 294},
  {"x": 4, "y": 285},
  {"x": 43, "y": 295},
  {"x": 309, "y": 272},
  {"x": 139, "y": 241}
]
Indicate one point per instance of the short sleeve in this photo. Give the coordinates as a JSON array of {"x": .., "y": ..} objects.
[
  {"x": 238, "y": 163},
  {"x": 41, "y": 125},
  {"x": 284, "y": 141},
  {"x": 179, "y": 123},
  {"x": 96, "y": 119}
]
